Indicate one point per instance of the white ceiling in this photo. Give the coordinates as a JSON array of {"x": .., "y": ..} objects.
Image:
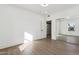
[{"x": 50, "y": 9}]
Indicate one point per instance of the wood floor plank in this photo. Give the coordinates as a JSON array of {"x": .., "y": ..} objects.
[{"x": 42, "y": 47}]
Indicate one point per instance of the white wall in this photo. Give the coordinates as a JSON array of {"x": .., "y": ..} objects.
[
  {"x": 58, "y": 27},
  {"x": 53, "y": 28},
  {"x": 64, "y": 26},
  {"x": 14, "y": 21},
  {"x": 71, "y": 12}
]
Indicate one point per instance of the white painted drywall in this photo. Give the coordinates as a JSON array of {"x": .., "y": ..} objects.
[
  {"x": 58, "y": 25},
  {"x": 53, "y": 28},
  {"x": 14, "y": 21},
  {"x": 64, "y": 26},
  {"x": 71, "y": 12}
]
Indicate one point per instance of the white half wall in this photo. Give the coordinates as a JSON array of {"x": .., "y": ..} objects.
[{"x": 14, "y": 21}]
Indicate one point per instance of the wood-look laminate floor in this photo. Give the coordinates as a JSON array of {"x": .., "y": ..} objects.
[{"x": 42, "y": 47}]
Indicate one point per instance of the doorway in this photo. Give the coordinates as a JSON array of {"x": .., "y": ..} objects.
[{"x": 48, "y": 29}]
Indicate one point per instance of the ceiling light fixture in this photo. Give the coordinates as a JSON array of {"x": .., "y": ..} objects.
[{"x": 44, "y": 5}]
